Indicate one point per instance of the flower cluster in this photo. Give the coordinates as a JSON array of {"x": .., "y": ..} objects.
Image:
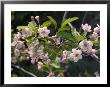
[
  {"x": 36, "y": 45},
  {"x": 43, "y": 32}
]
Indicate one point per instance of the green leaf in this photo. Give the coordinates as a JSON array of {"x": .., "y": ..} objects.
[
  {"x": 68, "y": 45},
  {"x": 53, "y": 21},
  {"x": 32, "y": 24},
  {"x": 76, "y": 35},
  {"x": 46, "y": 67},
  {"x": 46, "y": 23},
  {"x": 84, "y": 35},
  {"x": 55, "y": 65},
  {"x": 29, "y": 40},
  {"x": 21, "y": 27},
  {"x": 68, "y": 21},
  {"x": 14, "y": 75},
  {"x": 64, "y": 28},
  {"x": 96, "y": 42},
  {"x": 52, "y": 50},
  {"x": 66, "y": 35}
]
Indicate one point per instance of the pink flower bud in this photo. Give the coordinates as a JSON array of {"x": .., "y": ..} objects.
[
  {"x": 33, "y": 60},
  {"x": 94, "y": 51},
  {"x": 36, "y": 17},
  {"x": 40, "y": 65}
]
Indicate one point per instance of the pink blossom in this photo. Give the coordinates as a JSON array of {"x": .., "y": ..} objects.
[
  {"x": 86, "y": 45},
  {"x": 43, "y": 32},
  {"x": 32, "y": 52},
  {"x": 65, "y": 55},
  {"x": 26, "y": 32},
  {"x": 97, "y": 29},
  {"x": 33, "y": 60},
  {"x": 17, "y": 52},
  {"x": 75, "y": 55},
  {"x": 20, "y": 45},
  {"x": 86, "y": 28},
  {"x": 18, "y": 35},
  {"x": 94, "y": 35},
  {"x": 94, "y": 51},
  {"x": 36, "y": 17},
  {"x": 39, "y": 65}
]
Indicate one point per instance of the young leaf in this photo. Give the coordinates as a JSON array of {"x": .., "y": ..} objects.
[
  {"x": 53, "y": 21},
  {"x": 32, "y": 24},
  {"x": 21, "y": 27},
  {"x": 55, "y": 65},
  {"x": 46, "y": 24},
  {"x": 84, "y": 35},
  {"x": 66, "y": 35},
  {"x": 64, "y": 28},
  {"x": 68, "y": 21},
  {"x": 96, "y": 42},
  {"x": 76, "y": 35}
]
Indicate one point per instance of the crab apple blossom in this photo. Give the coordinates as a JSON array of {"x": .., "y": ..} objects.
[
  {"x": 17, "y": 52},
  {"x": 56, "y": 39},
  {"x": 32, "y": 52},
  {"x": 44, "y": 56},
  {"x": 65, "y": 56},
  {"x": 75, "y": 55},
  {"x": 86, "y": 46},
  {"x": 97, "y": 29},
  {"x": 43, "y": 32},
  {"x": 96, "y": 74},
  {"x": 18, "y": 35},
  {"x": 14, "y": 43},
  {"x": 20, "y": 45},
  {"x": 26, "y": 32},
  {"x": 39, "y": 65},
  {"x": 32, "y": 17},
  {"x": 94, "y": 51},
  {"x": 33, "y": 60},
  {"x": 86, "y": 28},
  {"x": 36, "y": 17},
  {"x": 94, "y": 35}
]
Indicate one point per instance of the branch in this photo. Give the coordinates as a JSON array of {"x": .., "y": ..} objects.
[
  {"x": 96, "y": 58},
  {"x": 64, "y": 16},
  {"x": 25, "y": 71}
]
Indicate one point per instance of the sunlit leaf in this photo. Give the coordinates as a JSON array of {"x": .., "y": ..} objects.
[
  {"x": 46, "y": 23},
  {"x": 68, "y": 21},
  {"x": 76, "y": 35},
  {"x": 64, "y": 28},
  {"x": 53, "y": 21},
  {"x": 96, "y": 42},
  {"x": 55, "y": 65},
  {"x": 32, "y": 24}
]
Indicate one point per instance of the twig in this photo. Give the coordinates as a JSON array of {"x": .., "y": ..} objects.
[
  {"x": 96, "y": 58},
  {"x": 18, "y": 67},
  {"x": 64, "y": 16}
]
